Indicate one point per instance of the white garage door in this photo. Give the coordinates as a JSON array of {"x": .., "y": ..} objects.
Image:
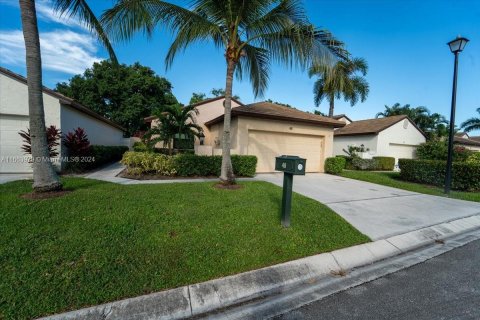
[
  {"x": 268, "y": 145},
  {"x": 402, "y": 151},
  {"x": 12, "y": 158}
]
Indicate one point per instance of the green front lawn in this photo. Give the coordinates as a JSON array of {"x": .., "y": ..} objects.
[
  {"x": 104, "y": 242},
  {"x": 392, "y": 179}
]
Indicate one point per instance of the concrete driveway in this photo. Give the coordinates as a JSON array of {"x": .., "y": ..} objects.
[{"x": 375, "y": 210}]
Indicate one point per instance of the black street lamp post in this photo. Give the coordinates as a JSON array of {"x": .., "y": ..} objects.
[{"x": 456, "y": 46}]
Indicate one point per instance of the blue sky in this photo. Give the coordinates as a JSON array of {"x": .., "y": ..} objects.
[{"x": 404, "y": 42}]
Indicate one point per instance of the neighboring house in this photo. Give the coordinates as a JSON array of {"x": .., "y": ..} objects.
[
  {"x": 462, "y": 139},
  {"x": 60, "y": 111},
  {"x": 395, "y": 136},
  {"x": 343, "y": 117},
  {"x": 267, "y": 130}
]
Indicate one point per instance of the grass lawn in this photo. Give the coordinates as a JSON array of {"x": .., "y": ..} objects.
[
  {"x": 392, "y": 179},
  {"x": 104, "y": 242}
]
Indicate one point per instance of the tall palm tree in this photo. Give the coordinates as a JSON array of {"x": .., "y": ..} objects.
[
  {"x": 341, "y": 80},
  {"x": 432, "y": 124},
  {"x": 251, "y": 34},
  {"x": 44, "y": 176},
  {"x": 471, "y": 124},
  {"x": 175, "y": 121}
]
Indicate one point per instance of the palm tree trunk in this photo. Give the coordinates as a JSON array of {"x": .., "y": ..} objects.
[
  {"x": 226, "y": 174},
  {"x": 44, "y": 176},
  {"x": 332, "y": 106}
]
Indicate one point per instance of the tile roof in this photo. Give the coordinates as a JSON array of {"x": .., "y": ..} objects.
[
  {"x": 370, "y": 126},
  {"x": 469, "y": 142},
  {"x": 268, "y": 110}
]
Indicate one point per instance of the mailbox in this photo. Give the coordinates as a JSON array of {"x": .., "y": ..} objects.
[{"x": 291, "y": 164}]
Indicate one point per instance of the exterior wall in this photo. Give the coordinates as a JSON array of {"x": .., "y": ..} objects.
[
  {"x": 242, "y": 125},
  {"x": 207, "y": 112},
  {"x": 98, "y": 132},
  {"x": 342, "y": 142},
  {"x": 398, "y": 141},
  {"x": 14, "y": 117}
]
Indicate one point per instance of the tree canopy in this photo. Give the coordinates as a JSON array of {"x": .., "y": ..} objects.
[
  {"x": 472, "y": 124},
  {"x": 216, "y": 92},
  {"x": 125, "y": 94},
  {"x": 434, "y": 125}
]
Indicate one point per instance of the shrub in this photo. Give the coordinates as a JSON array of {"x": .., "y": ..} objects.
[
  {"x": 139, "y": 146},
  {"x": 465, "y": 176},
  {"x": 106, "y": 154},
  {"x": 348, "y": 162},
  {"x": 186, "y": 165},
  {"x": 384, "y": 163},
  {"x": 77, "y": 143},
  {"x": 53, "y": 135},
  {"x": 474, "y": 158},
  {"x": 438, "y": 150},
  {"x": 335, "y": 165},
  {"x": 364, "y": 164},
  {"x": 146, "y": 162}
]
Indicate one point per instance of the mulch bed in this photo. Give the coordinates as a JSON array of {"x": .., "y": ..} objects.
[
  {"x": 125, "y": 175},
  {"x": 44, "y": 195}
]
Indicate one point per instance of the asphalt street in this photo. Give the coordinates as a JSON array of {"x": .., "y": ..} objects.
[{"x": 445, "y": 287}]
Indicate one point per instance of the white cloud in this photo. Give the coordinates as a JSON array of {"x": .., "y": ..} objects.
[
  {"x": 46, "y": 13},
  {"x": 62, "y": 50}
]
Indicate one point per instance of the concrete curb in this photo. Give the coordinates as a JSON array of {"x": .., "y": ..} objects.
[{"x": 196, "y": 299}]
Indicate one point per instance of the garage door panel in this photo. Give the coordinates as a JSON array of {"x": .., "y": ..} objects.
[
  {"x": 268, "y": 145},
  {"x": 12, "y": 158}
]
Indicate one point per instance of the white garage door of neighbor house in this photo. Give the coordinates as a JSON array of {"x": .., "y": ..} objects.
[
  {"x": 268, "y": 145},
  {"x": 12, "y": 158},
  {"x": 402, "y": 151}
]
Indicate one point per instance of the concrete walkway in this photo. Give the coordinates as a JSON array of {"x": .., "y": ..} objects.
[
  {"x": 8, "y": 177},
  {"x": 376, "y": 210}
]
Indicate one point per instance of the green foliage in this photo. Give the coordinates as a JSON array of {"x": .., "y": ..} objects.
[
  {"x": 149, "y": 163},
  {"x": 364, "y": 164},
  {"x": 465, "y": 176},
  {"x": 186, "y": 165},
  {"x": 124, "y": 94},
  {"x": 352, "y": 151},
  {"x": 384, "y": 163},
  {"x": 104, "y": 242},
  {"x": 345, "y": 79},
  {"x": 335, "y": 165},
  {"x": 95, "y": 157},
  {"x": 139, "y": 146},
  {"x": 438, "y": 150},
  {"x": 216, "y": 92},
  {"x": 474, "y": 158},
  {"x": 176, "y": 122},
  {"x": 471, "y": 124},
  {"x": 432, "y": 124},
  {"x": 348, "y": 162},
  {"x": 392, "y": 179}
]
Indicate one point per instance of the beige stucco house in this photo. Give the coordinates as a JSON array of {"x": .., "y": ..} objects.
[
  {"x": 60, "y": 111},
  {"x": 266, "y": 130},
  {"x": 395, "y": 136}
]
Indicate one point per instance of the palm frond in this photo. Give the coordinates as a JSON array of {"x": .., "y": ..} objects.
[
  {"x": 81, "y": 10},
  {"x": 256, "y": 63}
]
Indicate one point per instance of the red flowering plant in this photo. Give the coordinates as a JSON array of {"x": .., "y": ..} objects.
[{"x": 53, "y": 137}]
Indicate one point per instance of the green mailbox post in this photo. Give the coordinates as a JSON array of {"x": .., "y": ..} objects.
[{"x": 290, "y": 165}]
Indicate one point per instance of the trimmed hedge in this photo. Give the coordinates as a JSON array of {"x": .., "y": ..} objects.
[
  {"x": 335, "y": 165},
  {"x": 348, "y": 162},
  {"x": 186, "y": 165},
  {"x": 100, "y": 155},
  {"x": 465, "y": 176},
  {"x": 384, "y": 163},
  {"x": 364, "y": 164}
]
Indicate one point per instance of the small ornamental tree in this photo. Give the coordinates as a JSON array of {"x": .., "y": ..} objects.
[
  {"x": 77, "y": 143},
  {"x": 53, "y": 137}
]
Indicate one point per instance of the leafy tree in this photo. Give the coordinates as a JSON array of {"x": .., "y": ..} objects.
[
  {"x": 44, "y": 176},
  {"x": 175, "y": 121},
  {"x": 199, "y": 96},
  {"x": 434, "y": 125},
  {"x": 472, "y": 123},
  {"x": 251, "y": 34},
  {"x": 124, "y": 94},
  {"x": 343, "y": 80}
]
